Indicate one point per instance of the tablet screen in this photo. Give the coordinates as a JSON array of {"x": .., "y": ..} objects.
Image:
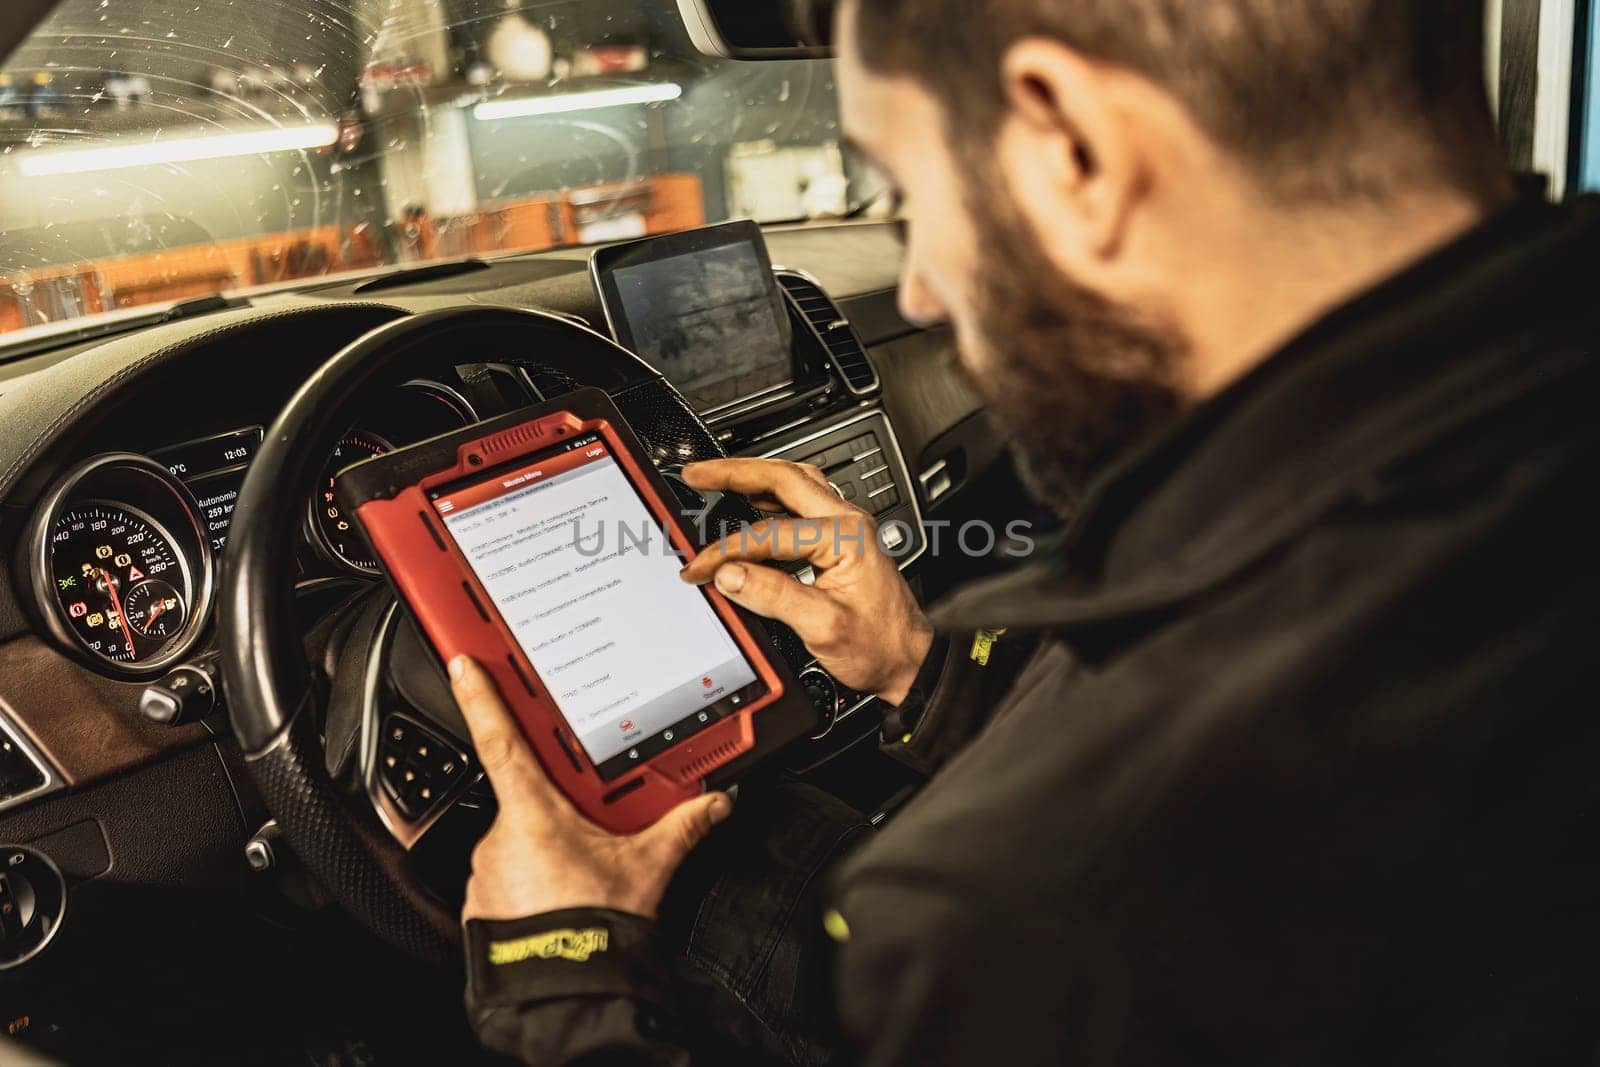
[{"x": 586, "y": 580}]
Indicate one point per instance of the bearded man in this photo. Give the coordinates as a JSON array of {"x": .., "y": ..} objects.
[{"x": 1286, "y": 755}]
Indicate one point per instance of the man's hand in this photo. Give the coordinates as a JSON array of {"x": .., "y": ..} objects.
[
  {"x": 541, "y": 854},
  {"x": 860, "y": 619}
]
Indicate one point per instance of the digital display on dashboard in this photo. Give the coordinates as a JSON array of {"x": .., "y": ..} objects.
[
  {"x": 586, "y": 601},
  {"x": 705, "y": 309},
  {"x": 213, "y": 468}
]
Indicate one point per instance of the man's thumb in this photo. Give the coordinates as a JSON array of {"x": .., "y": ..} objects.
[{"x": 686, "y": 825}]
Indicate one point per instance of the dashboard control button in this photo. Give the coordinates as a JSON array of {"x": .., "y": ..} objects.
[
  {"x": 188, "y": 694},
  {"x": 839, "y": 456},
  {"x": 865, "y": 447},
  {"x": 884, "y": 498},
  {"x": 259, "y": 852},
  {"x": 878, "y": 486}
]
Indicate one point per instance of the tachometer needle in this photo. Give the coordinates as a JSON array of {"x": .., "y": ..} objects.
[{"x": 116, "y": 605}]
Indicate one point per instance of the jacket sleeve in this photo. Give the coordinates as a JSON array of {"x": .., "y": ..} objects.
[
  {"x": 963, "y": 680},
  {"x": 573, "y": 987}
]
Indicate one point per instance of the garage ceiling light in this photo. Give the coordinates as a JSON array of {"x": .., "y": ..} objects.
[
  {"x": 563, "y": 103},
  {"x": 116, "y": 156}
]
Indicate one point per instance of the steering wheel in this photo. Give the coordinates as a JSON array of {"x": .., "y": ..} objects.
[{"x": 277, "y": 698}]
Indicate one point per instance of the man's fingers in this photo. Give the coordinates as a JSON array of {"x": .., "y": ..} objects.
[
  {"x": 756, "y": 543},
  {"x": 512, "y": 768},
  {"x": 684, "y": 827},
  {"x": 773, "y": 594},
  {"x": 823, "y": 542},
  {"x": 768, "y": 502},
  {"x": 801, "y": 490}
]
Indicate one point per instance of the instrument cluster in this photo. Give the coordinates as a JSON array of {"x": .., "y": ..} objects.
[{"x": 125, "y": 547}]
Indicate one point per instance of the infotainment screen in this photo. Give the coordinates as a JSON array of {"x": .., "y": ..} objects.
[
  {"x": 704, "y": 308},
  {"x": 635, "y": 659}
]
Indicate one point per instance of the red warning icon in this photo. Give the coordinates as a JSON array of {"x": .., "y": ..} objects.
[{"x": 134, "y": 574}]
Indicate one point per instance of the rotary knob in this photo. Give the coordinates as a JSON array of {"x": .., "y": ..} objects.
[{"x": 823, "y": 693}]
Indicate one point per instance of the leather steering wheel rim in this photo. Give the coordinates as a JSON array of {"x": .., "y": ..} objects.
[{"x": 270, "y": 688}]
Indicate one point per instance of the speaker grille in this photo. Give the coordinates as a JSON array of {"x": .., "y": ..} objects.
[
  {"x": 706, "y": 762},
  {"x": 504, "y": 442}
]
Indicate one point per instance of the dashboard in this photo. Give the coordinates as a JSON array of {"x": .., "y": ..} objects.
[
  {"x": 122, "y": 461},
  {"x": 124, "y": 552}
]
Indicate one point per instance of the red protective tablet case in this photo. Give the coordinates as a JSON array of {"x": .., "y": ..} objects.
[{"x": 390, "y": 498}]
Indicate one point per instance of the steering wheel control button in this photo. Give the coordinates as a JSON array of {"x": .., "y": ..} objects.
[
  {"x": 419, "y": 767},
  {"x": 33, "y": 900},
  {"x": 186, "y": 695}
]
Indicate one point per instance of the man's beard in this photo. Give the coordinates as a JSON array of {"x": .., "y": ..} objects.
[{"x": 1073, "y": 378}]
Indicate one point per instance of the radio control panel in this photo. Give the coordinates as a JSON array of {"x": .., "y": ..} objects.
[{"x": 861, "y": 459}]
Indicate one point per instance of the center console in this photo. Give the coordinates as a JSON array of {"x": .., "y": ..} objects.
[{"x": 775, "y": 370}]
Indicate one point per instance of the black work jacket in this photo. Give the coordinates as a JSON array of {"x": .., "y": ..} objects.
[{"x": 1303, "y": 766}]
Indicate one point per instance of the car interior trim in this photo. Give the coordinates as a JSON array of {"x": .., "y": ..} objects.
[{"x": 17, "y": 739}]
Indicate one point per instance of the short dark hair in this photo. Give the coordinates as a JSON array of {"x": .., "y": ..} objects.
[{"x": 1310, "y": 90}]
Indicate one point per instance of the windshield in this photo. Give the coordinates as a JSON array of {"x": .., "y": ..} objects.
[{"x": 162, "y": 150}]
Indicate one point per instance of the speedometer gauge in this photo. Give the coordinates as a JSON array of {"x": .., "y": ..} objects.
[
  {"x": 121, "y": 565},
  {"x": 117, "y": 572}
]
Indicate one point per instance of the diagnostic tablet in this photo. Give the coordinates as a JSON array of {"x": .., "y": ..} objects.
[{"x": 547, "y": 547}]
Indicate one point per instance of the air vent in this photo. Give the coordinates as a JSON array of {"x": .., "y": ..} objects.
[
  {"x": 833, "y": 330},
  {"x": 22, "y": 776}
]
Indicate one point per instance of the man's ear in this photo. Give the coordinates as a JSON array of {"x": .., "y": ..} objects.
[{"x": 1071, "y": 140}]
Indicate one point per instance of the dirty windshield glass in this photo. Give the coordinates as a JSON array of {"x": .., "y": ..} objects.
[{"x": 163, "y": 150}]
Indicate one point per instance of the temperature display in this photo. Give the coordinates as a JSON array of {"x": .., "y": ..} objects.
[
  {"x": 213, "y": 468},
  {"x": 227, "y": 451}
]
